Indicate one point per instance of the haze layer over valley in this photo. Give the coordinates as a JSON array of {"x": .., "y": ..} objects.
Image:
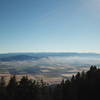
[{"x": 47, "y": 66}]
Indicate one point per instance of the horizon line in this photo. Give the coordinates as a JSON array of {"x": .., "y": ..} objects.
[{"x": 51, "y": 52}]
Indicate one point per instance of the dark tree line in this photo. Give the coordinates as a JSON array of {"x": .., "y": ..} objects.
[{"x": 82, "y": 86}]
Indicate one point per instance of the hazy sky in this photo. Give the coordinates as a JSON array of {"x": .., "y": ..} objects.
[{"x": 49, "y": 25}]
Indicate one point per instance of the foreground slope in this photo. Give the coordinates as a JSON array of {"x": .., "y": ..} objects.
[{"x": 82, "y": 86}]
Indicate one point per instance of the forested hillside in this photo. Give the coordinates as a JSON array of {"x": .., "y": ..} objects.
[{"x": 82, "y": 86}]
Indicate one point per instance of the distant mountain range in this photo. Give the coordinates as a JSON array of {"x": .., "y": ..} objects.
[
  {"x": 35, "y": 56},
  {"x": 17, "y": 58}
]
